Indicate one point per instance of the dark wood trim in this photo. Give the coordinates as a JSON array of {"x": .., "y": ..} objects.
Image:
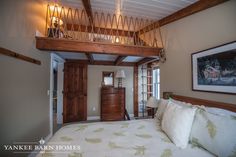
[
  {"x": 108, "y": 63},
  {"x": 135, "y": 93},
  {"x": 146, "y": 61},
  {"x": 66, "y": 45},
  {"x": 119, "y": 60},
  {"x": 192, "y": 69},
  {"x": 85, "y": 91},
  {"x": 90, "y": 58},
  {"x": 187, "y": 11},
  {"x": 99, "y": 30},
  {"x": 19, "y": 56},
  {"x": 106, "y": 72},
  {"x": 209, "y": 103},
  {"x": 88, "y": 9}
]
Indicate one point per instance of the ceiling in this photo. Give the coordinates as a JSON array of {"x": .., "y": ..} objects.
[
  {"x": 97, "y": 57},
  {"x": 148, "y": 9}
]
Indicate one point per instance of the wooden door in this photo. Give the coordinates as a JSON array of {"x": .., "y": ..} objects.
[{"x": 75, "y": 92}]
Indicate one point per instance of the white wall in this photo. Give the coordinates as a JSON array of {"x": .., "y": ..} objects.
[
  {"x": 24, "y": 113},
  {"x": 200, "y": 31},
  {"x": 94, "y": 87}
]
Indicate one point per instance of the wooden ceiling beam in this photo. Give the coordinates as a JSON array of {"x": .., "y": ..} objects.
[
  {"x": 99, "y": 30},
  {"x": 119, "y": 60},
  {"x": 108, "y": 63},
  {"x": 52, "y": 44},
  {"x": 88, "y": 9},
  {"x": 90, "y": 57},
  {"x": 187, "y": 11},
  {"x": 146, "y": 61}
]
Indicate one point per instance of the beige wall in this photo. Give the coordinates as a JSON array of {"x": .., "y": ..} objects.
[
  {"x": 209, "y": 28},
  {"x": 24, "y": 113},
  {"x": 94, "y": 87}
]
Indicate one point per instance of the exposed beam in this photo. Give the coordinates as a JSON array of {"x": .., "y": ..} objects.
[
  {"x": 52, "y": 44},
  {"x": 19, "y": 56},
  {"x": 187, "y": 11},
  {"x": 90, "y": 58},
  {"x": 146, "y": 61},
  {"x": 108, "y": 63},
  {"x": 119, "y": 60},
  {"x": 99, "y": 30},
  {"x": 88, "y": 9}
]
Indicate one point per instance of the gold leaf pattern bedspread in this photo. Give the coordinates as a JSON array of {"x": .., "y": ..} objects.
[{"x": 120, "y": 139}]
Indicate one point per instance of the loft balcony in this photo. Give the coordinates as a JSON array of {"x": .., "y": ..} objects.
[{"x": 73, "y": 30}]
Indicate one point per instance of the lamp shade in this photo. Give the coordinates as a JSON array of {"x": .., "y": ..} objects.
[
  {"x": 152, "y": 102},
  {"x": 120, "y": 74}
]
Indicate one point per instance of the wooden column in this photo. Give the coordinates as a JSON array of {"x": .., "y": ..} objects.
[{"x": 135, "y": 92}]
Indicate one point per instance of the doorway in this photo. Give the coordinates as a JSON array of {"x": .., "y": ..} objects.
[{"x": 56, "y": 95}]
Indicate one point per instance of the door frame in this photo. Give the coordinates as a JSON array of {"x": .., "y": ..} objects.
[{"x": 53, "y": 57}]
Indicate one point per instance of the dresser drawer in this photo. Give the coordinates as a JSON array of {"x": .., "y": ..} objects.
[
  {"x": 112, "y": 103},
  {"x": 113, "y": 116}
]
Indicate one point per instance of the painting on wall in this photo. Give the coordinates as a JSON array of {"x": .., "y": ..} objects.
[{"x": 214, "y": 70}]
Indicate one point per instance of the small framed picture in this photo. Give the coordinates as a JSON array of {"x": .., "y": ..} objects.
[{"x": 214, "y": 69}]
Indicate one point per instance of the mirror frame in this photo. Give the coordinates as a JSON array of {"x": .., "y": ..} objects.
[{"x": 104, "y": 73}]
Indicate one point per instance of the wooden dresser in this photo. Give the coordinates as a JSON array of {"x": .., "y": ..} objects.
[{"x": 112, "y": 104}]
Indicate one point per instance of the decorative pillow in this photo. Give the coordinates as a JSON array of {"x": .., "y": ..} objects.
[
  {"x": 215, "y": 133},
  {"x": 220, "y": 111},
  {"x": 181, "y": 103},
  {"x": 177, "y": 123},
  {"x": 162, "y": 103}
]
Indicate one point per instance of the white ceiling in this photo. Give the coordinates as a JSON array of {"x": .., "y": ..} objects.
[
  {"x": 97, "y": 57},
  {"x": 148, "y": 9},
  {"x": 102, "y": 57},
  {"x": 132, "y": 59},
  {"x": 71, "y": 55}
]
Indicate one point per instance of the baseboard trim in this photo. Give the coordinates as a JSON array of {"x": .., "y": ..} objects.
[{"x": 93, "y": 118}]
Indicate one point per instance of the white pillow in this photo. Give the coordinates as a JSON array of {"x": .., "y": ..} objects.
[
  {"x": 181, "y": 103},
  {"x": 220, "y": 111},
  {"x": 162, "y": 103},
  {"x": 177, "y": 123},
  {"x": 215, "y": 133}
]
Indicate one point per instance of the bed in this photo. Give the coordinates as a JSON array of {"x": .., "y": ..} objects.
[
  {"x": 133, "y": 138},
  {"x": 120, "y": 139}
]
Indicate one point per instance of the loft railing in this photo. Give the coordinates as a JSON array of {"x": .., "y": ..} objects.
[{"x": 74, "y": 24}]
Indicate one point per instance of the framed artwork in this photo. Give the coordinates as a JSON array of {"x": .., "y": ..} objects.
[{"x": 214, "y": 69}]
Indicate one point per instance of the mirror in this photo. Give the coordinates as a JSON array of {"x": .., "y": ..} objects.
[{"x": 107, "y": 78}]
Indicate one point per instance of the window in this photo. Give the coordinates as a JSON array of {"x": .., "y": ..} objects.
[{"x": 156, "y": 83}]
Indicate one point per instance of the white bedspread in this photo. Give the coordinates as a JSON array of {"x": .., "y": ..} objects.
[{"x": 120, "y": 139}]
